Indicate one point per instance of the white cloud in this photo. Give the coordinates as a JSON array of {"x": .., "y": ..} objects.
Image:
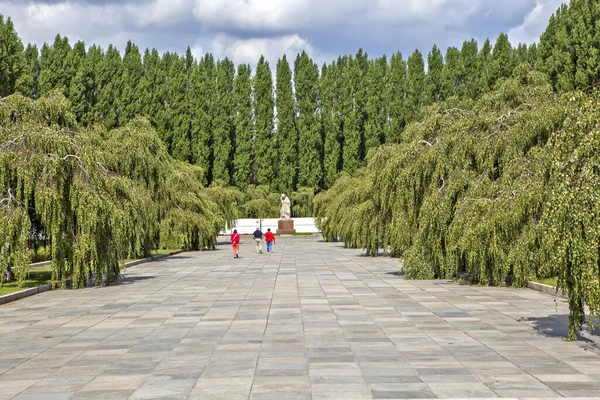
[
  {"x": 160, "y": 12},
  {"x": 249, "y": 50},
  {"x": 290, "y": 16},
  {"x": 245, "y": 29},
  {"x": 94, "y": 23},
  {"x": 197, "y": 51},
  {"x": 535, "y": 22},
  {"x": 274, "y": 15}
]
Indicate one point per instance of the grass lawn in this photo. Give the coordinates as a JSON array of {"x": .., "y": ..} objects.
[
  {"x": 163, "y": 251},
  {"x": 37, "y": 277},
  {"x": 547, "y": 281},
  {"x": 157, "y": 252}
]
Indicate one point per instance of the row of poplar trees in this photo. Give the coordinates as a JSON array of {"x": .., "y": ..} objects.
[
  {"x": 302, "y": 127},
  {"x": 244, "y": 127}
]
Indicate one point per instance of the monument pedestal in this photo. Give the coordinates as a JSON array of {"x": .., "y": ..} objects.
[{"x": 285, "y": 227}]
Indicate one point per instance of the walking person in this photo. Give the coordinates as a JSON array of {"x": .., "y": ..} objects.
[
  {"x": 258, "y": 240},
  {"x": 270, "y": 239},
  {"x": 235, "y": 243}
]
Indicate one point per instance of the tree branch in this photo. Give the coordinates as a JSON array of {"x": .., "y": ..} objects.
[
  {"x": 513, "y": 112},
  {"x": 443, "y": 184},
  {"x": 10, "y": 143},
  {"x": 11, "y": 199}
]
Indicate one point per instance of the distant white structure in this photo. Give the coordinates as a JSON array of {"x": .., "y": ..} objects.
[{"x": 247, "y": 226}]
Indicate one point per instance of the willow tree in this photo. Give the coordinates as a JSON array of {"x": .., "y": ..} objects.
[
  {"x": 571, "y": 237},
  {"x": 54, "y": 172},
  {"x": 97, "y": 196},
  {"x": 505, "y": 187}
]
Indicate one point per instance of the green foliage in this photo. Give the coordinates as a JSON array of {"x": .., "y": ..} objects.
[
  {"x": 285, "y": 160},
  {"x": 568, "y": 49},
  {"x": 435, "y": 67},
  {"x": 571, "y": 237},
  {"x": 97, "y": 196},
  {"x": 223, "y": 127},
  {"x": 12, "y": 60},
  {"x": 331, "y": 121},
  {"x": 353, "y": 98},
  {"x": 202, "y": 95},
  {"x": 396, "y": 99},
  {"x": 263, "y": 122},
  {"x": 133, "y": 71},
  {"x": 302, "y": 202},
  {"x": 242, "y": 161},
  {"x": 376, "y": 123},
  {"x": 260, "y": 202},
  {"x": 108, "y": 107},
  {"x": 310, "y": 140},
  {"x": 505, "y": 186}
]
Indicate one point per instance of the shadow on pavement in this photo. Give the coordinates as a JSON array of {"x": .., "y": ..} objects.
[
  {"x": 132, "y": 279},
  {"x": 396, "y": 273},
  {"x": 557, "y": 326}
]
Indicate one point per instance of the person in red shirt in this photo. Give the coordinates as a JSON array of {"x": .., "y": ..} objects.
[
  {"x": 235, "y": 243},
  {"x": 270, "y": 239}
]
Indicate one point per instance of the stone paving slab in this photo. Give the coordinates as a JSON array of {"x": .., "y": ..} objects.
[{"x": 311, "y": 321}]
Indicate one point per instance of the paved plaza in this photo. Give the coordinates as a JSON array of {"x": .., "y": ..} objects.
[{"x": 311, "y": 321}]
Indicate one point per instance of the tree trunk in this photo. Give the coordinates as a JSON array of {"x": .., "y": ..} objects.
[{"x": 9, "y": 274}]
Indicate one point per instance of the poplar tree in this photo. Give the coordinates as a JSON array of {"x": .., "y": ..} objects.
[
  {"x": 242, "y": 161},
  {"x": 503, "y": 61},
  {"x": 354, "y": 100},
  {"x": 263, "y": 119},
  {"x": 223, "y": 128},
  {"x": 532, "y": 55},
  {"x": 55, "y": 73},
  {"x": 133, "y": 71},
  {"x": 396, "y": 97},
  {"x": 470, "y": 68},
  {"x": 376, "y": 107},
  {"x": 83, "y": 91},
  {"x": 150, "y": 101},
  {"x": 452, "y": 73},
  {"x": 203, "y": 90},
  {"x": 415, "y": 84},
  {"x": 27, "y": 83},
  {"x": 522, "y": 54},
  {"x": 285, "y": 160},
  {"x": 568, "y": 49},
  {"x": 434, "y": 80},
  {"x": 72, "y": 63},
  {"x": 484, "y": 61},
  {"x": 108, "y": 107},
  {"x": 310, "y": 140},
  {"x": 12, "y": 60},
  {"x": 331, "y": 121},
  {"x": 178, "y": 124}
]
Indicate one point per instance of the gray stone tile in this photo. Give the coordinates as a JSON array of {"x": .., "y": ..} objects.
[{"x": 313, "y": 320}]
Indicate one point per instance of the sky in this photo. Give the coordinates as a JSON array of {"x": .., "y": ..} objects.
[{"x": 244, "y": 29}]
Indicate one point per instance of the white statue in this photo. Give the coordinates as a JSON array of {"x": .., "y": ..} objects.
[{"x": 286, "y": 208}]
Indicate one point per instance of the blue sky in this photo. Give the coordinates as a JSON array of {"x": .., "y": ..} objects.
[{"x": 244, "y": 29}]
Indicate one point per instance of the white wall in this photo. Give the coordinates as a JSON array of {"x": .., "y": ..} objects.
[{"x": 248, "y": 225}]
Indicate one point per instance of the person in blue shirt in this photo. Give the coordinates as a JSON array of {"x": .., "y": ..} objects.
[{"x": 258, "y": 240}]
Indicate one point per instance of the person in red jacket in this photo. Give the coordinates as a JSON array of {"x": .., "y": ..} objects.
[
  {"x": 270, "y": 239},
  {"x": 235, "y": 243}
]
